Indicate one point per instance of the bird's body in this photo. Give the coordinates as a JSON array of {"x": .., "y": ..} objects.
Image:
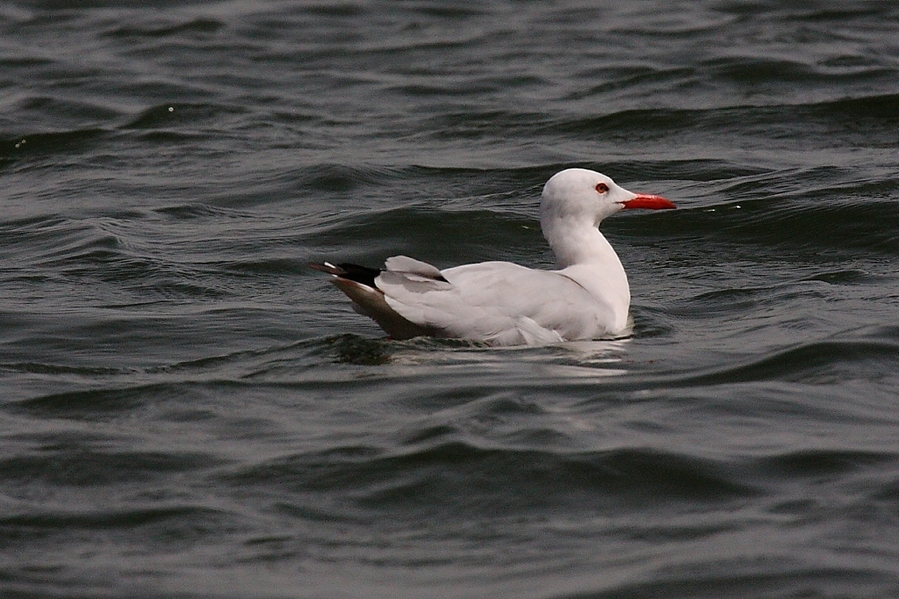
[{"x": 501, "y": 303}]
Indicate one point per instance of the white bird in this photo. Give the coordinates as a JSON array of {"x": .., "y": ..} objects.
[{"x": 501, "y": 303}]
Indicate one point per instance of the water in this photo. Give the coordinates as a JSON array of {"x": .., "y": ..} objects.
[{"x": 188, "y": 411}]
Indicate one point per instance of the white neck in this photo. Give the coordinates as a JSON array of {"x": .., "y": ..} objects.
[
  {"x": 579, "y": 243},
  {"x": 584, "y": 254}
]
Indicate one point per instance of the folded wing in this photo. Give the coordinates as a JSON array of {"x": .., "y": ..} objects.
[{"x": 498, "y": 302}]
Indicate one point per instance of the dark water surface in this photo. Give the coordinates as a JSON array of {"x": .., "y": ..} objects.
[{"x": 188, "y": 411}]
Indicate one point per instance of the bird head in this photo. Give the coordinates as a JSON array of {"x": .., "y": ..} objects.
[{"x": 586, "y": 197}]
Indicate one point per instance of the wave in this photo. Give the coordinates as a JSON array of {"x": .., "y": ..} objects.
[
  {"x": 848, "y": 112},
  {"x": 84, "y": 462},
  {"x": 458, "y": 475},
  {"x": 23, "y": 148},
  {"x": 738, "y": 578},
  {"x": 819, "y": 362},
  {"x": 152, "y": 29}
]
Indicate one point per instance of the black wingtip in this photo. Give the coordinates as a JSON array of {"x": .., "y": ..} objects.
[
  {"x": 352, "y": 272},
  {"x": 325, "y": 267}
]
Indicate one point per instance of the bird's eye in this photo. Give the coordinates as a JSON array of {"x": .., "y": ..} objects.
[{"x": 602, "y": 187}]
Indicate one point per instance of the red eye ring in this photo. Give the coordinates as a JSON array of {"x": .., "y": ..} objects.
[{"x": 602, "y": 187}]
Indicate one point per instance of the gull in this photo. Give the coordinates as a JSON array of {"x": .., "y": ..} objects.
[{"x": 505, "y": 304}]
